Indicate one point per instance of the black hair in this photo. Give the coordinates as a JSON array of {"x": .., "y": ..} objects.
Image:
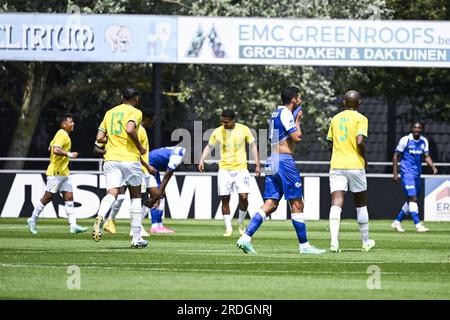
[
  {"x": 227, "y": 113},
  {"x": 129, "y": 93},
  {"x": 60, "y": 119},
  {"x": 288, "y": 93},
  {"x": 148, "y": 114}
]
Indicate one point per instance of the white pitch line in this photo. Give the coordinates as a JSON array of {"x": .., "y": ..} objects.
[
  {"x": 215, "y": 270},
  {"x": 214, "y": 263}
]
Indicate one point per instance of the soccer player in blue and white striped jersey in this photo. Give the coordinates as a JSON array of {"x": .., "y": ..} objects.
[{"x": 412, "y": 148}]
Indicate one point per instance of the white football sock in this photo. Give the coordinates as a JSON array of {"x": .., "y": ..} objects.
[
  {"x": 136, "y": 218},
  {"x": 227, "y": 220},
  {"x": 335, "y": 220},
  {"x": 37, "y": 211},
  {"x": 242, "y": 215},
  {"x": 363, "y": 221},
  {"x": 116, "y": 206},
  {"x": 70, "y": 213},
  {"x": 105, "y": 205}
]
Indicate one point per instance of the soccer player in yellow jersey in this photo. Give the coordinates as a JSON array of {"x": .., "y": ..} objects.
[
  {"x": 58, "y": 178},
  {"x": 122, "y": 162},
  {"x": 110, "y": 225},
  {"x": 231, "y": 138},
  {"x": 346, "y": 137}
]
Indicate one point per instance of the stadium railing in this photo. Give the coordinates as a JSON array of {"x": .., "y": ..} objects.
[{"x": 98, "y": 164}]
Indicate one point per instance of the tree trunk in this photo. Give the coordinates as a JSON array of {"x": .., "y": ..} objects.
[{"x": 30, "y": 111}]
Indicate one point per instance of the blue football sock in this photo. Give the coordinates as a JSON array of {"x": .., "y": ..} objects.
[
  {"x": 300, "y": 229},
  {"x": 155, "y": 215},
  {"x": 401, "y": 216},
  {"x": 160, "y": 214},
  {"x": 254, "y": 224}
]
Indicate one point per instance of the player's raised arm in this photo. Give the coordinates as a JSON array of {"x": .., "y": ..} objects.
[{"x": 296, "y": 136}]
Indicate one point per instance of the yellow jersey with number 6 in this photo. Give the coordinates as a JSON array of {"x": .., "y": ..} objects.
[
  {"x": 119, "y": 146},
  {"x": 344, "y": 128}
]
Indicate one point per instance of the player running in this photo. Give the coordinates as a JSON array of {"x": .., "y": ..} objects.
[{"x": 58, "y": 178}]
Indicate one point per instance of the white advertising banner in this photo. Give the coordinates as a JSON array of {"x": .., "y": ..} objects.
[
  {"x": 313, "y": 42},
  {"x": 437, "y": 199},
  {"x": 190, "y": 197},
  {"x": 87, "y": 37}
]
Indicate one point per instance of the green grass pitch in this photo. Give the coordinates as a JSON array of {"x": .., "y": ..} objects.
[{"x": 199, "y": 263}]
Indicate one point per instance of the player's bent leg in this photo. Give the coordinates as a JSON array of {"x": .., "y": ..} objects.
[
  {"x": 397, "y": 223},
  {"x": 244, "y": 242},
  {"x": 32, "y": 221},
  {"x": 105, "y": 206}
]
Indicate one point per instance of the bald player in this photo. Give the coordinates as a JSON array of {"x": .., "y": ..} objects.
[{"x": 346, "y": 137}]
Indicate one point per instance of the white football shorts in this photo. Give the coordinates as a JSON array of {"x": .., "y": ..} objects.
[
  {"x": 119, "y": 173},
  {"x": 348, "y": 179},
  {"x": 57, "y": 184},
  {"x": 229, "y": 180}
]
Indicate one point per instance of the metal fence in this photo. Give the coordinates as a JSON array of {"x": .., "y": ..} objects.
[{"x": 95, "y": 165}]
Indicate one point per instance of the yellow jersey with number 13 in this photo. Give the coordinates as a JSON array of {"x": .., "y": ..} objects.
[
  {"x": 119, "y": 146},
  {"x": 344, "y": 128}
]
